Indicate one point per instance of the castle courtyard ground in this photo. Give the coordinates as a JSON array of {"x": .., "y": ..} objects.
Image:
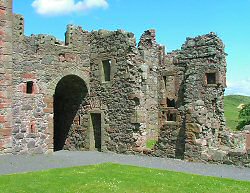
[{"x": 10, "y": 164}]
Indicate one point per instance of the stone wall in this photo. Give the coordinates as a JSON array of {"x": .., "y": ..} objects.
[
  {"x": 5, "y": 76},
  {"x": 100, "y": 91},
  {"x": 112, "y": 94},
  {"x": 42, "y": 60},
  {"x": 203, "y": 105},
  {"x": 195, "y": 77},
  {"x": 149, "y": 52}
]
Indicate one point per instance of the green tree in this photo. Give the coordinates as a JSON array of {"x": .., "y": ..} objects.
[{"x": 244, "y": 117}]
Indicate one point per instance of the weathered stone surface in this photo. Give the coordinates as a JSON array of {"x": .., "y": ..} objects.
[{"x": 100, "y": 91}]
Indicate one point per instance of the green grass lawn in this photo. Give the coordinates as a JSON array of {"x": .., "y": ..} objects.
[
  {"x": 116, "y": 178},
  {"x": 231, "y": 110}
]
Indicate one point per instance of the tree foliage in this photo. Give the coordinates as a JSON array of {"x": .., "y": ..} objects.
[{"x": 244, "y": 117}]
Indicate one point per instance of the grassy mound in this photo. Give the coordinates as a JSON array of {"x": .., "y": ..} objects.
[{"x": 232, "y": 102}]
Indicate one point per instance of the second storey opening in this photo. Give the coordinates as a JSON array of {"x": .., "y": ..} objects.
[
  {"x": 106, "y": 65},
  {"x": 211, "y": 78}
]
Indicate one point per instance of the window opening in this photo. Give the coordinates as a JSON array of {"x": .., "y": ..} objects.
[
  {"x": 171, "y": 117},
  {"x": 165, "y": 81},
  {"x": 106, "y": 64},
  {"x": 170, "y": 103},
  {"x": 29, "y": 87},
  {"x": 211, "y": 78}
]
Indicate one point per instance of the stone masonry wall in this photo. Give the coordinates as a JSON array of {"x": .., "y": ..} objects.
[
  {"x": 149, "y": 52},
  {"x": 114, "y": 96},
  {"x": 43, "y": 60},
  {"x": 203, "y": 100},
  {"x": 5, "y": 76},
  {"x": 50, "y": 91}
]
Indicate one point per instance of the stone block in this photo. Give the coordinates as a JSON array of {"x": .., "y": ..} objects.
[
  {"x": 247, "y": 128},
  {"x": 193, "y": 128},
  {"x": 48, "y": 110},
  {"x": 248, "y": 141},
  {"x": 5, "y": 132},
  {"x": 218, "y": 155},
  {"x": 2, "y": 118},
  {"x": 31, "y": 144}
]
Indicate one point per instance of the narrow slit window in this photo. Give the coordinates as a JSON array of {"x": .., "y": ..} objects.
[
  {"x": 29, "y": 87},
  {"x": 165, "y": 81},
  {"x": 32, "y": 128},
  {"x": 211, "y": 78},
  {"x": 106, "y": 64}
]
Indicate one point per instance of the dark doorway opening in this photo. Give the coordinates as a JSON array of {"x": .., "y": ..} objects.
[
  {"x": 69, "y": 95},
  {"x": 97, "y": 124}
]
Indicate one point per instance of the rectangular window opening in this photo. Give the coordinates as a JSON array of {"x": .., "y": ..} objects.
[
  {"x": 171, "y": 117},
  {"x": 211, "y": 78},
  {"x": 106, "y": 64},
  {"x": 29, "y": 87}
]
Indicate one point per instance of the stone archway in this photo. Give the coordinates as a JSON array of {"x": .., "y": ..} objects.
[{"x": 69, "y": 95}]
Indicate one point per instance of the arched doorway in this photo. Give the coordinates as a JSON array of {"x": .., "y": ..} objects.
[{"x": 70, "y": 93}]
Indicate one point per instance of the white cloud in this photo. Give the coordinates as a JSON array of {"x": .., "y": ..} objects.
[
  {"x": 62, "y": 7},
  {"x": 241, "y": 87}
]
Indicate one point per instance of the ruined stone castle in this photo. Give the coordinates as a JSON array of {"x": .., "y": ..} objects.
[{"x": 101, "y": 91}]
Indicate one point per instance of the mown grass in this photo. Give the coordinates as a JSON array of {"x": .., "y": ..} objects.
[
  {"x": 116, "y": 178},
  {"x": 231, "y": 111}
]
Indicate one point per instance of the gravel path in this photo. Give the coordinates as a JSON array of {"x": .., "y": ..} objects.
[{"x": 17, "y": 164}]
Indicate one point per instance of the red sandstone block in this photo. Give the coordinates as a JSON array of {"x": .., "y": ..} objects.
[
  {"x": 5, "y": 132},
  {"x": 2, "y": 119},
  {"x": 5, "y": 82},
  {"x": 50, "y": 105},
  {"x": 248, "y": 141},
  {"x": 35, "y": 89},
  {"x": 7, "y": 125},
  {"x": 48, "y": 99},
  {"x": 3, "y": 94},
  {"x": 1, "y": 146},
  {"x": 48, "y": 110},
  {"x": 3, "y": 105},
  {"x": 29, "y": 76},
  {"x": 1, "y": 32},
  {"x": 6, "y": 100},
  {"x": 2, "y": 12}
]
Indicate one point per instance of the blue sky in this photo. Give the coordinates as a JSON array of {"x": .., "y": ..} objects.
[{"x": 174, "y": 20}]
